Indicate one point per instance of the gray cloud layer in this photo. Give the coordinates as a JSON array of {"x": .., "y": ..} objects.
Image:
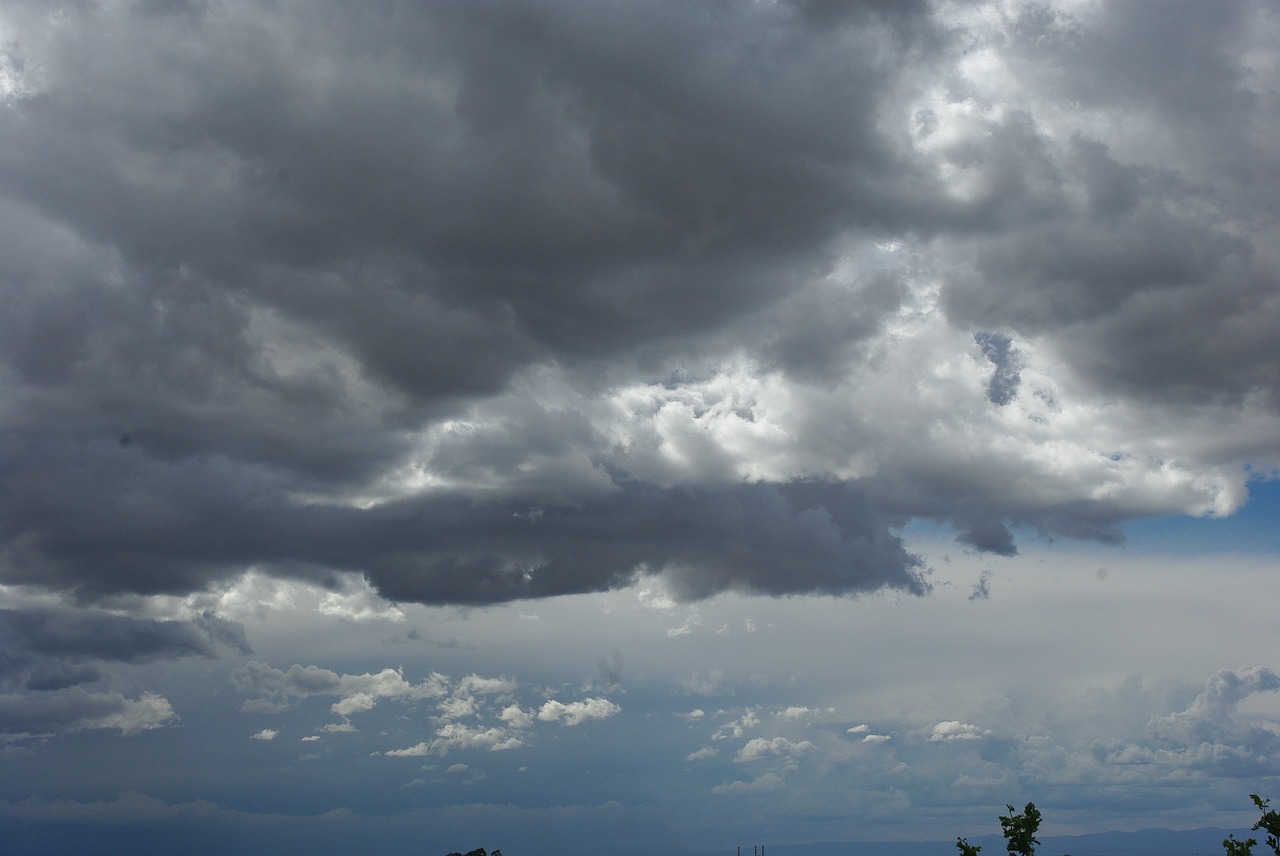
[
  {"x": 493, "y": 302},
  {"x": 50, "y": 649}
]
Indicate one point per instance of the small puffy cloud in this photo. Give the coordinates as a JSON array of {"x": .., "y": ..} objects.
[
  {"x": 685, "y": 628},
  {"x": 654, "y": 595},
  {"x": 738, "y": 727},
  {"x": 764, "y": 784},
  {"x": 354, "y": 703},
  {"x": 357, "y": 693},
  {"x": 312, "y": 738},
  {"x": 795, "y": 712},
  {"x": 454, "y": 736},
  {"x": 266, "y": 734},
  {"x": 577, "y": 712},
  {"x": 458, "y": 706},
  {"x": 477, "y": 685},
  {"x": 339, "y": 728},
  {"x": 457, "y": 768},
  {"x": 358, "y": 601},
  {"x": 876, "y": 738},
  {"x": 953, "y": 730},
  {"x": 466, "y": 698},
  {"x": 263, "y": 705},
  {"x": 149, "y": 711},
  {"x": 515, "y": 716},
  {"x": 251, "y": 595},
  {"x": 702, "y": 754},
  {"x": 759, "y": 748},
  {"x": 859, "y": 729},
  {"x": 693, "y": 715}
]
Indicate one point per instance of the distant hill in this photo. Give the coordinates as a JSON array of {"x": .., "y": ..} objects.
[{"x": 1148, "y": 842}]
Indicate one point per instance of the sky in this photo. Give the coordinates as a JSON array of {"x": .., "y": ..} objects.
[{"x": 559, "y": 426}]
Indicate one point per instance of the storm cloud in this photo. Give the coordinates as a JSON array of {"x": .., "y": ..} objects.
[{"x": 488, "y": 302}]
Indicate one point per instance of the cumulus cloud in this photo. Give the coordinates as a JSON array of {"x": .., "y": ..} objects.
[
  {"x": 358, "y": 601},
  {"x": 266, "y": 734},
  {"x": 766, "y": 783},
  {"x": 867, "y": 735},
  {"x": 1209, "y": 733},
  {"x": 273, "y": 688},
  {"x": 516, "y": 716},
  {"x": 1132, "y": 742},
  {"x": 738, "y": 727},
  {"x": 455, "y": 736},
  {"x": 758, "y": 748},
  {"x": 577, "y": 712},
  {"x": 343, "y": 727},
  {"x": 954, "y": 730},
  {"x": 787, "y": 316}
]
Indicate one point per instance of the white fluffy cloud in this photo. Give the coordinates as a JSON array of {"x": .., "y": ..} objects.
[
  {"x": 358, "y": 601},
  {"x": 954, "y": 730},
  {"x": 577, "y": 712},
  {"x": 758, "y": 748},
  {"x": 749, "y": 719},
  {"x": 454, "y": 736},
  {"x": 273, "y": 688}
]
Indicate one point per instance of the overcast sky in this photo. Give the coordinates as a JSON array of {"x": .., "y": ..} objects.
[{"x": 558, "y": 426}]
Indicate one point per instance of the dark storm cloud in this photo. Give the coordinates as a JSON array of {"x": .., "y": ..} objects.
[
  {"x": 252, "y": 255},
  {"x": 813, "y": 334},
  {"x": 201, "y": 521},
  {"x": 989, "y": 536},
  {"x": 49, "y": 649},
  {"x": 448, "y": 193},
  {"x": 76, "y": 709},
  {"x": 1138, "y": 264},
  {"x": 424, "y": 201}
]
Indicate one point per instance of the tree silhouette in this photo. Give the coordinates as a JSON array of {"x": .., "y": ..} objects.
[
  {"x": 1020, "y": 830},
  {"x": 1235, "y": 847},
  {"x": 1268, "y": 823},
  {"x": 1020, "y": 833}
]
